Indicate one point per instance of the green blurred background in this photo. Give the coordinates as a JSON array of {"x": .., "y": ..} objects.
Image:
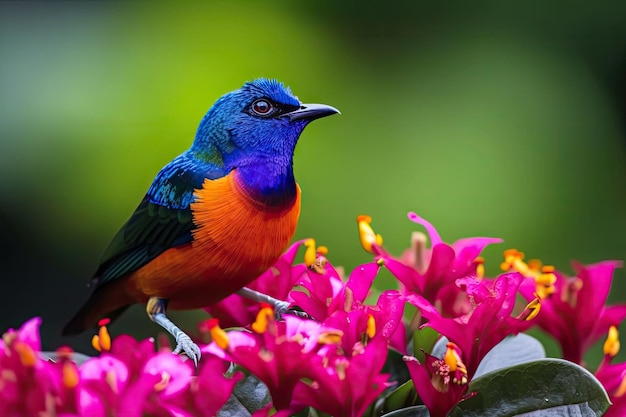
[{"x": 502, "y": 119}]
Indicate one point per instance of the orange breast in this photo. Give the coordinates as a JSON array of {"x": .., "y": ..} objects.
[{"x": 236, "y": 239}]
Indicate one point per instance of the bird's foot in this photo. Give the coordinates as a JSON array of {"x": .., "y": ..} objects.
[
  {"x": 282, "y": 308},
  {"x": 185, "y": 345}
]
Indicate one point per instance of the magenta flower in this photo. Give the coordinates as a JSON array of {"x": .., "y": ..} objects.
[
  {"x": 490, "y": 321},
  {"x": 575, "y": 314},
  {"x": 613, "y": 376},
  {"x": 28, "y": 383},
  {"x": 346, "y": 386},
  {"x": 277, "y": 282},
  {"x": 278, "y": 353},
  {"x": 427, "y": 272},
  {"x": 440, "y": 383},
  {"x": 327, "y": 293}
]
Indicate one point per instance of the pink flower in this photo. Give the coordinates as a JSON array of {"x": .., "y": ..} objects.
[
  {"x": 440, "y": 383},
  {"x": 490, "y": 321},
  {"x": 327, "y": 293},
  {"x": 278, "y": 353},
  {"x": 613, "y": 376},
  {"x": 347, "y": 385},
  {"x": 428, "y": 272},
  {"x": 575, "y": 314}
]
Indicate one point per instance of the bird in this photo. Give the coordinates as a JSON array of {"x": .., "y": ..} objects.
[{"x": 214, "y": 218}]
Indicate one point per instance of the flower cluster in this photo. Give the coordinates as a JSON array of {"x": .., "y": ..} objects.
[
  {"x": 130, "y": 379},
  {"x": 334, "y": 360}
]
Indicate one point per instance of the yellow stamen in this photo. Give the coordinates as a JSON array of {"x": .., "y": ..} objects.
[
  {"x": 514, "y": 260},
  {"x": 330, "y": 337},
  {"x": 95, "y": 342},
  {"x": 310, "y": 252},
  {"x": 371, "y": 326},
  {"x": 531, "y": 310},
  {"x": 480, "y": 267},
  {"x": 545, "y": 281},
  {"x": 263, "y": 318},
  {"x": 452, "y": 358},
  {"x": 27, "y": 355},
  {"x": 218, "y": 335},
  {"x": 611, "y": 345},
  {"x": 367, "y": 235},
  {"x": 104, "y": 338},
  {"x": 162, "y": 384},
  {"x": 70, "y": 375}
]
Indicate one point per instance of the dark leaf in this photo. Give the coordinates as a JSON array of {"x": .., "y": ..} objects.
[
  {"x": 546, "y": 387},
  {"x": 249, "y": 395}
]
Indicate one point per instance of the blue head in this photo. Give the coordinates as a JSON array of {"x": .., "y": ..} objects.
[
  {"x": 255, "y": 130},
  {"x": 259, "y": 123}
]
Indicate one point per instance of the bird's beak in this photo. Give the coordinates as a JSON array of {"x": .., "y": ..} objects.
[{"x": 311, "y": 112}]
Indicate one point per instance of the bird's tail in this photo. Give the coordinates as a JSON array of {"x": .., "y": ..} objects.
[{"x": 101, "y": 304}]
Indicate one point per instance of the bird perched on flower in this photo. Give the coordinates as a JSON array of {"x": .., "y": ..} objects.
[{"x": 214, "y": 218}]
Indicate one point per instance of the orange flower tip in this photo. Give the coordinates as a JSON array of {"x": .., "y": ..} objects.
[
  {"x": 322, "y": 250},
  {"x": 95, "y": 342},
  {"x": 371, "y": 326},
  {"x": 367, "y": 236},
  {"x": 70, "y": 375},
  {"x": 104, "y": 339},
  {"x": 535, "y": 264},
  {"x": 27, "y": 355},
  {"x": 218, "y": 335},
  {"x": 104, "y": 322},
  {"x": 547, "y": 269},
  {"x": 263, "y": 317},
  {"x": 479, "y": 260},
  {"x": 363, "y": 218},
  {"x": 611, "y": 344}
]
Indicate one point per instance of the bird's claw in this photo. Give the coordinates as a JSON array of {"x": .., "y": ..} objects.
[
  {"x": 282, "y": 308},
  {"x": 185, "y": 345}
]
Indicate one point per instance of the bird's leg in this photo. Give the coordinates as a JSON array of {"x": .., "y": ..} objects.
[
  {"x": 280, "y": 307},
  {"x": 156, "y": 310}
]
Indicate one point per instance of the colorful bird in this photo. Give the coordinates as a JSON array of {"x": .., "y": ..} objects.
[{"x": 214, "y": 218}]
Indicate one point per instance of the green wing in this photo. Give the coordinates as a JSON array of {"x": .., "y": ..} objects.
[{"x": 151, "y": 230}]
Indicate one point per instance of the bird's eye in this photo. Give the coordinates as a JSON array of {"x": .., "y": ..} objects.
[{"x": 262, "y": 107}]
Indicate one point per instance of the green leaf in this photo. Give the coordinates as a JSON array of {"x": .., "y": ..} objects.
[
  {"x": 415, "y": 411},
  {"x": 403, "y": 396},
  {"x": 425, "y": 339},
  {"x": 249, "y": 395},
  {"x": 547, "y": 387}
]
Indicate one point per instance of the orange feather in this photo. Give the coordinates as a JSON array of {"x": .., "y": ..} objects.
[{"x": 236, "y": 239}]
